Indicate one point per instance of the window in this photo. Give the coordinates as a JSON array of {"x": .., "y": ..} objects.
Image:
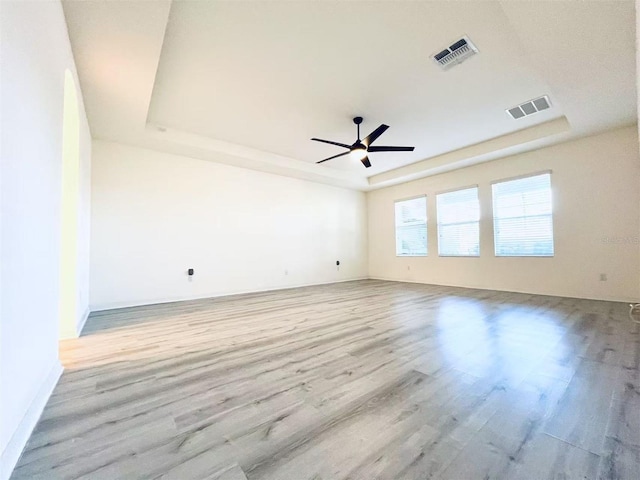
[
  {"x": 411, "y": 227},
  {"x": 459, "y": 223},
  {"x": 522, "y": 217}
]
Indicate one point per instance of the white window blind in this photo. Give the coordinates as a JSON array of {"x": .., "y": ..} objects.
[
  {"x": 459, "y": 223},
  {"x": 522, "y": 217},
  {"x": 411, "y": 227}
]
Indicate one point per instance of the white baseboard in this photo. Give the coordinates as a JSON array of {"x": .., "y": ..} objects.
[
  {"x": 545, "y": 294},
  {"x": 82, "y": 322},
  {"x": 13, "y": 450},
  {"x": 79, "y": 326},
  {"x": 141, "y": 303}
]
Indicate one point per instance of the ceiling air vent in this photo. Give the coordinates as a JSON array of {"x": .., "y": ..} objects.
[
  {"x": 529, "y": 108},
  {"x": 455, "y": 53}
]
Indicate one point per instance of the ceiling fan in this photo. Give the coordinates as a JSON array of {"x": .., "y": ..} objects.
[{"x": 360, "y": 148}]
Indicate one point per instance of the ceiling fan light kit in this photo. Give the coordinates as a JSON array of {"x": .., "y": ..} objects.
[
  {"x": 358, "y": 152},
  {"x": 360, "y": 149}
]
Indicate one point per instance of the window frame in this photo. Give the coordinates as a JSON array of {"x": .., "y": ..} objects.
[
  {"x": 438, "y": 223},
  {"x": 551, "y": 215},
  {"x": 426, "y": 226}
]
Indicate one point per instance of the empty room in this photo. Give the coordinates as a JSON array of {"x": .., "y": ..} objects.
[{"x": 332, "y": 239}]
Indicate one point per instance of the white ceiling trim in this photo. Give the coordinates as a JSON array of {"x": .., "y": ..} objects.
[
  {"x": 496, "y": 147},
  {"x": 247, "y": 157}
]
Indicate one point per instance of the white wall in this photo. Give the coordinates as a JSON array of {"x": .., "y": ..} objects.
[
  {"x": 638, "y": 74},
  {"x": 155, "y": 215},
  {"x": 596, "y": 192},
  {"x": 84, "y": 219},
  {"x": 35, "y": 53}
]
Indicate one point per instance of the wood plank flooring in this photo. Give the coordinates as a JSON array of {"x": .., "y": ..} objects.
[{"x": 361, "y": 380}]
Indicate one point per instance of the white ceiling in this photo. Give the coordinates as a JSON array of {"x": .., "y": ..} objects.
[{"x": 249, "y": 83}]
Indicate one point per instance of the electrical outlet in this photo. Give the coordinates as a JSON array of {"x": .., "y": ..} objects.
[
  {"x": 408, "y": 267},
  {"x": 286, "y": 272},
  {"x": 603, "y": 277}
]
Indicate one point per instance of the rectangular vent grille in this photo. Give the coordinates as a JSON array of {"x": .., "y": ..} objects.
[
  {"x": 455, "y": 53},
  {"x": 529, "y": 108}
]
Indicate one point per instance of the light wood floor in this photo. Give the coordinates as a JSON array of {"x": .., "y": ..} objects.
[{"x": 362, "y": 380}]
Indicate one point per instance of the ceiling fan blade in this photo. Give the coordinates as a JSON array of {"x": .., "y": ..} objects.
[
  {"x": 365, "y": 161},
  {"x": 343, "y": 145},
  {"x": 391, "y": 149},
  {"x": 335, "y": 156},
  {"x": 375, "y": 134}
]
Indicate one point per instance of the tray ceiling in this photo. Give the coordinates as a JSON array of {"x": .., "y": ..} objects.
[{"x": 249, "y": 83}]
